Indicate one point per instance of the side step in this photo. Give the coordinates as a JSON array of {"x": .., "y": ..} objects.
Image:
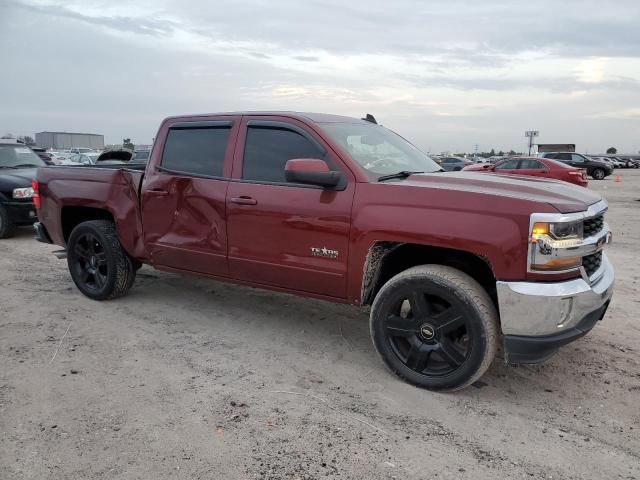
[{"x": 60, "y": 254}]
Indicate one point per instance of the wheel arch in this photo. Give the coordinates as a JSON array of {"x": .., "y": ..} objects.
[
  {"x": 72, "y": 215},
  {"x": 386, "y": 259}
]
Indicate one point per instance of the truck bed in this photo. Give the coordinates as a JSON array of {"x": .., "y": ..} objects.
[{"x": 114, "y": 188}]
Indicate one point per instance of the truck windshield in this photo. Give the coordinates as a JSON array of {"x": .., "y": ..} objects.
[
  {"x": 18, "y": 156},
  {"x": 379, "y": 150}
]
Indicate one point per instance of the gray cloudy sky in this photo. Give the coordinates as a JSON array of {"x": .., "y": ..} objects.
[{"x": 446, "y": 74}]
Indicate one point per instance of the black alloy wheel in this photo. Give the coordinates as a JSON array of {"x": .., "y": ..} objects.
[
  {"x": 99, "y": 266},
  {"x": 435, "y": 326},
  {"x": 428, "y": 332},
  {"x": 598, "y": 174},
  {"x": 90, "y": 262}
]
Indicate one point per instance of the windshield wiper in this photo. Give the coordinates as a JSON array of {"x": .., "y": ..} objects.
[{"x": 401, "y": 174}]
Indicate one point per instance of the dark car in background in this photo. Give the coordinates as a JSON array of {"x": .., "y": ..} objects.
[
  {"x": 595, "y": 169},
  {"x": 18, "y": 164},
  {"x": 45, "y": 156},
  {"x": 453, "y": 164},
  {"x": 536, "y": 167},
  {"x": 141, "y": 156}
]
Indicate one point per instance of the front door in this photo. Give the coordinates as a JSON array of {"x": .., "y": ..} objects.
[
  {"x": 281, "y": 234},
  {"x": 508, "y": 166},
  {"x": 183, "y": 196}
]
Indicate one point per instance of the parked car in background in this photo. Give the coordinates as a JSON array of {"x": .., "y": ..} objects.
[
  {"x": 628, "y": 162},
  {"x": 141, "y": 156},
  {"x": 81, "y": 150},
  {"x": 45, "y": 156},
  {"x": 88, "y": 158},
  {"x": 536, "y": 167},
  {"x": 595, "y": 169},
  {"x": 18, "y": 164},
  {"x": 454, "y": 164},
  {"x": 613, "y": 162}
]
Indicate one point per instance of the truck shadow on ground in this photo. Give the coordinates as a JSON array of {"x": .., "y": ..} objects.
[{"x": 323, "y": 331}]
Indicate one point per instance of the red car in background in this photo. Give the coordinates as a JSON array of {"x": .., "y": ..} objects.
[{"x": 537, "y": 167}]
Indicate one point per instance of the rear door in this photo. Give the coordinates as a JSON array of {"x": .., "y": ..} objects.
[
  {"x": 183, "y": 195},
  {"x": 283, "y": 234}
]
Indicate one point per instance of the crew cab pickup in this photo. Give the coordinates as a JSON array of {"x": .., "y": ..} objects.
[{"x": 342, "y": 209}]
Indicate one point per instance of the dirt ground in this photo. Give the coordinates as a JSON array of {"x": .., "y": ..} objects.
[{"x": 189, "y": 378}]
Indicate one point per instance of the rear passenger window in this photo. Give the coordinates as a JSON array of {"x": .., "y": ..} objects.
[
  {"x": 267, "y": 150},
  {"x": 531, "y": 165},
  {"x": 198, "y": 151}
]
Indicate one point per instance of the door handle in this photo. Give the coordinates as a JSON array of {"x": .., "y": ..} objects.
[
  {"x": 159, "y": 193},
  {"x": 244, "y": 200}
]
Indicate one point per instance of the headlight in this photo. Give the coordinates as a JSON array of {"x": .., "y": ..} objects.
[
  {"x": 557, "y": 231},
  {"x": 566, "y": 230},
  {"x": 552, "y": 245},
  {"x": 21, "y": 193}
]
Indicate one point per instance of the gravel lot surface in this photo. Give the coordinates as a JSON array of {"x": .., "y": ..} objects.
[{"x": 190, "y": 378}]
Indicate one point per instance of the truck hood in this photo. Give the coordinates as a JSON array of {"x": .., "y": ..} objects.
[{"x": 563, "y": 196}]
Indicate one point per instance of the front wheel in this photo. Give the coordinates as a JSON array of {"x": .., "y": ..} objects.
[
  {"x": 98, "y": 264},
  {"x": 598, "y": 174},
  {"x": 435, "y": 327}
]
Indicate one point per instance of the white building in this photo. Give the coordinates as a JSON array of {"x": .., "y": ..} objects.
[{"x": 67, "y": 140}]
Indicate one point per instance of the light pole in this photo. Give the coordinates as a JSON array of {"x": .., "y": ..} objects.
[{"x": 531, "y": 134}]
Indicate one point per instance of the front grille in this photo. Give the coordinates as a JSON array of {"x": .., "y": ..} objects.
[
  {"x": 591, "y": 263},
  {"x": 593, "y": 225}
]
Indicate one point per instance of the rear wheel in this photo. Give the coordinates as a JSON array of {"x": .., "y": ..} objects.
[
  {"x": 98, "y": 264},
  {"x": 6, "y": 225},
  {"x": 598, "y": 174},
  {"x": 435, "y": 327}
]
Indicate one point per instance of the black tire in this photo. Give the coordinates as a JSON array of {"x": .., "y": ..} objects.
[
  {"x": 457, "y": 169},
  {"x": 598, "y": 174},
  {"x": 98, "y": 264},
  {"x": 451, "y": 339},
  {"x": 6, "y": 225}
]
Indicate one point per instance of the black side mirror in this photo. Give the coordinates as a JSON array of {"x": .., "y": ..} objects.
[{"x": 311, "y": 171}]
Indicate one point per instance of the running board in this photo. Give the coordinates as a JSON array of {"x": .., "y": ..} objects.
[{"x": 60, "y": 254}]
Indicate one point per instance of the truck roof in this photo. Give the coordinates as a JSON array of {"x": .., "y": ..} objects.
[{"x": 314, "y": 117}]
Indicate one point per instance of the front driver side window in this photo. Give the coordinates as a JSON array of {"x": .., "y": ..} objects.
[
  {"x": 577, "y": 158},
  {"x": 267, "y": 150}
]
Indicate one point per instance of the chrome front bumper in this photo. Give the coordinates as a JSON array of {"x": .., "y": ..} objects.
[{"x": 534, "y": 309}]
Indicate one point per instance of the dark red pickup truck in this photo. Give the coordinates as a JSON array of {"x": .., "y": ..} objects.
[{"x": 345, "y": 210}]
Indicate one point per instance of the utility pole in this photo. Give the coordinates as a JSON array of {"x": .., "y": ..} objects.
[{"x": 531, "y": 134}]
